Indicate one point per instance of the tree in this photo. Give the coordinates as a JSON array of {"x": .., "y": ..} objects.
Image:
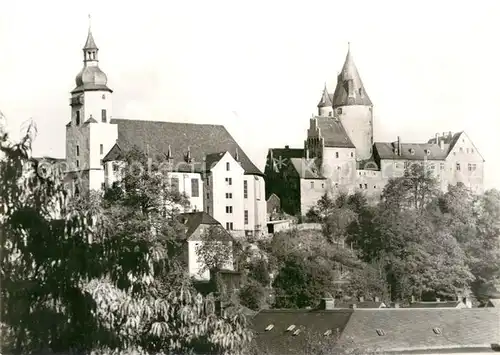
[
  {"x": 215, "y": 251},
  {"x": 252, "y": 295},
  {"x": 414, "y": 190},
  {"x": 96, "y": 279},
  {"x": 259, "y": 271}
]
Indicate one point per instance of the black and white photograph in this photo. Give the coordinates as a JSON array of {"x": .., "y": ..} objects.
[{"x": 249, "y": 177}]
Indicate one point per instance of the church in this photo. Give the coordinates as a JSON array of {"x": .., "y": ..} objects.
[
  {"x": 340, "y": 154},
  {"x": 206, "y": 163}
]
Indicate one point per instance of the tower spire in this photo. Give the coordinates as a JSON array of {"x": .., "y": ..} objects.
[{"x": 350, "y": 89}]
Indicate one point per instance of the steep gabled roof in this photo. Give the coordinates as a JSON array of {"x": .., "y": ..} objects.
[
  {"x": 407, "y": 329},
  {"x": 280, "y": 341},
  {"x": 154, "y": 137},
  {"x": 193, "y": 220},
  {"x": 333, "y": 133},
  {"x": 350, "y": 89}
]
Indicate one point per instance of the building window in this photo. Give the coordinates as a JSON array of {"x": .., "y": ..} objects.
[
  {"x": 115, "y": 167},
  {"x": 77, "y": 150},
  {"x": 246, "y": 216},
  {"x": 472, "y": 167},
  {"x": 208, "y": 180},
  {"x": 245, "y": 189},
  {"x": 441, "y": 166},
  {"x": 174, "y": 184},
  {"x": 208, "y": 210},
  {"x": 229, "y": 209},
  {"x": 101, "y": 149},
  {"x": 103, "y": 186},
  {"x": 77, "y": 119},
  {"x": 195, "y": 188},
  {"x": 360, "y": 186},
  {"x": 336, "y": 154},
  {"x": 322, "y": 185},
  {"x": 461, "y": 150},
  {"x": 103, "y": 97},
  {"x": 312, "y": 184},
  {"x": 229, "y": 181},
  {"x": 352, "y": 154},
  {"x": 208, "y": 196},
  {"x": 103, "y": 116},
  {"x": 77, "y": 163},
  {"x": 458, "y": 166},
  {"x": 366, "y": 186},
  {"x": 229, "y": 226},
  {"x": 229, "y": 195},
  {"x": 227, "y": 166}
]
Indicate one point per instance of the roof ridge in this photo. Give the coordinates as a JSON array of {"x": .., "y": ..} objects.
[{"x": 176, "y": 122}]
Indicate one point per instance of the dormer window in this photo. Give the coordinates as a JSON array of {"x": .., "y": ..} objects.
[{"x": 412, "y": 151}]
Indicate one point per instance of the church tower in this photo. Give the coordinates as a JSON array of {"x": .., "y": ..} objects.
[
  {"x": 89, "y": 134},
  {"x": 354, "y": 108}
]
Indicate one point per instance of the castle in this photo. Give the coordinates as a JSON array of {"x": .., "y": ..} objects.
[
  {"x": 340, "y": 154},
  {"x": 205, "y": 162}
]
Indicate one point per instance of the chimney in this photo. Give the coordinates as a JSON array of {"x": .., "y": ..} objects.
[
  {"x": 353, "y": 306},
  {"x": 400, "y": 148},
  {"x": 437, "y": 138},
  {"x": 450, "y": 134},
  {"x": 438, "y": 299},
  {"x": 327, "y": 304},
  {"x": 441, "y": 144},
  {"x": 412, "y": 299},
  {"x": 361, "y": 299},
  {"x": 307, "y": 153},
  {"x": 377, "y": 299},
  {"x": 287, "y": 147}
]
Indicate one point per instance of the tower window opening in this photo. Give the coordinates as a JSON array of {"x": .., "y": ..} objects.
[
  {"x": 103, "y": 116},
  {"x": 77, "y": 118},
  {"x": 88, "y": 55}
]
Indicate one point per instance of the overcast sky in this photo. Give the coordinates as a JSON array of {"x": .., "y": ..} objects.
[{"x": 259, "y": 67}]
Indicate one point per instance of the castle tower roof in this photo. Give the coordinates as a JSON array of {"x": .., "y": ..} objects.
[
  {"x": 350, "y": 89},
  {"x": 326, "y": 100}
]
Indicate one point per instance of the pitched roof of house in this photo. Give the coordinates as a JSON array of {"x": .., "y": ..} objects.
[
  {"x": 306, "y": 168},
  {"x": 286, "y": 153},
  {"x": 441, "y": 304},
  {"x": 280, "y": 341},
  {"x": 193, "y": 220},
  {"x": 407, "y": 329},
  {"x": 333, "y": 132},
  {"x": 212, "y": 159},
  {"x": 411, "y": 151},
  {"x": 154, "y": 137}
]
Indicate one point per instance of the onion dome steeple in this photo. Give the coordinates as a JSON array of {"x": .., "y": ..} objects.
[{"x": 91, "y": 77}]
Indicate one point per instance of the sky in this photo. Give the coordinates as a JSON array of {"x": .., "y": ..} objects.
[{"x": 259, "y": 67}]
